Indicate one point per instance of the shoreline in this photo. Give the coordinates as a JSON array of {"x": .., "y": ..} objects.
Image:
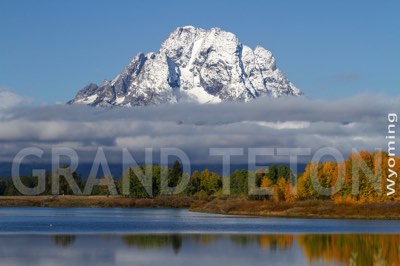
[
  {"x": 69, "y": 201},
  {"x": 309, "y": 209},
  {"x": 322, "y": 209}
]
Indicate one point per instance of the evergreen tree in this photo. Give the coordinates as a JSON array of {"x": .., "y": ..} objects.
[
  {"x": 175, "y": 174},
  {"x": 137, "y": 189},
  {"x": 239, "y": 182}
]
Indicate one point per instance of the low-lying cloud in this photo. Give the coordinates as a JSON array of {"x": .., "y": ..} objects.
[
  {"x": 9, "y": 99},
  {"x": 358, "y": 122}
]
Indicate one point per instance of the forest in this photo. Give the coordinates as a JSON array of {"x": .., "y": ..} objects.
[{"x": 362, "y": 177}]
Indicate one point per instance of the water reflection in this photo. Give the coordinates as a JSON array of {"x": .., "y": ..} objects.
[
  {"x": 320, "y": 249},
  {"x": 270, "y": 242},
  {"x": 352, "y": 249},
  {"x": 154, "y": 241},
  {"x": 64, "y": 240}
]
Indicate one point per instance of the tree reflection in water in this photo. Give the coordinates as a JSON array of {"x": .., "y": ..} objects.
[
  {"x": 355, "y": 249},
  {"x": 348, "y": 249},
  {"x": 64, "y": 240},
  {"x": 154, "y": 241},
  {"x": 268, "y": 242}
]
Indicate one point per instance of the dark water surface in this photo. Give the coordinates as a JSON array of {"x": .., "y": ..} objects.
[{"x": 93, "y": 236}]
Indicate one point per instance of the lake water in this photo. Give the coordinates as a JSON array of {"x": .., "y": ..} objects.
[{"x": 93, "y": 236}]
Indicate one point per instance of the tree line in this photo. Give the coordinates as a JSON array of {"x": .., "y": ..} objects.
[{"x": 361, "y": 177}]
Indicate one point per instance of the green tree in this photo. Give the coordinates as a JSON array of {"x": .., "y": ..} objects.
[
  {"x": 175, "y": 174},
  {"x": 137, "y": 184},
  {"x": 210, "y": 182},
  {"x": 136, "y": 188},
  {"x": 239, "y": 183},
  {"x": 3, "y": 187},
  {"x": 194, "y": 183}
]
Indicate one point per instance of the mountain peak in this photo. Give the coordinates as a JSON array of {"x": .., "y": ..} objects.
[{"x": 193, "y": 65}]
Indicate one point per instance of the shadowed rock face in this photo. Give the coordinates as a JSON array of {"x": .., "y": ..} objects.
[{"x": 193, "y": 65}]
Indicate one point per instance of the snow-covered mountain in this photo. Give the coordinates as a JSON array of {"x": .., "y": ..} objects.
[{"x": 193, "y": 65}]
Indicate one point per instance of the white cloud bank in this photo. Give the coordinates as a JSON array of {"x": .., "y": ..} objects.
[
  {"x": 9, "y": 99},
  {"x": 359, "y": 122}
]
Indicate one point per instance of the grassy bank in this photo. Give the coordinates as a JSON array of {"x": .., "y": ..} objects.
[
  {"x": 221, "y": 205},
  {"x": 95, "y": 201},
  {"x": 300, "y": 209}
]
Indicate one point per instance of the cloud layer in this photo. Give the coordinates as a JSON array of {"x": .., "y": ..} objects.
[
  {"x": 359, "y": 122},
  {"x": 9, "y": 99}
]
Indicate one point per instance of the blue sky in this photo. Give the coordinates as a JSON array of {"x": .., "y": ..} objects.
[{"x": 329, "y": 49}]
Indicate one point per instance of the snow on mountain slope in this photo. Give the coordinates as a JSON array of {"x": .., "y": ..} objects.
[{"x": 193, "y": 65}]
